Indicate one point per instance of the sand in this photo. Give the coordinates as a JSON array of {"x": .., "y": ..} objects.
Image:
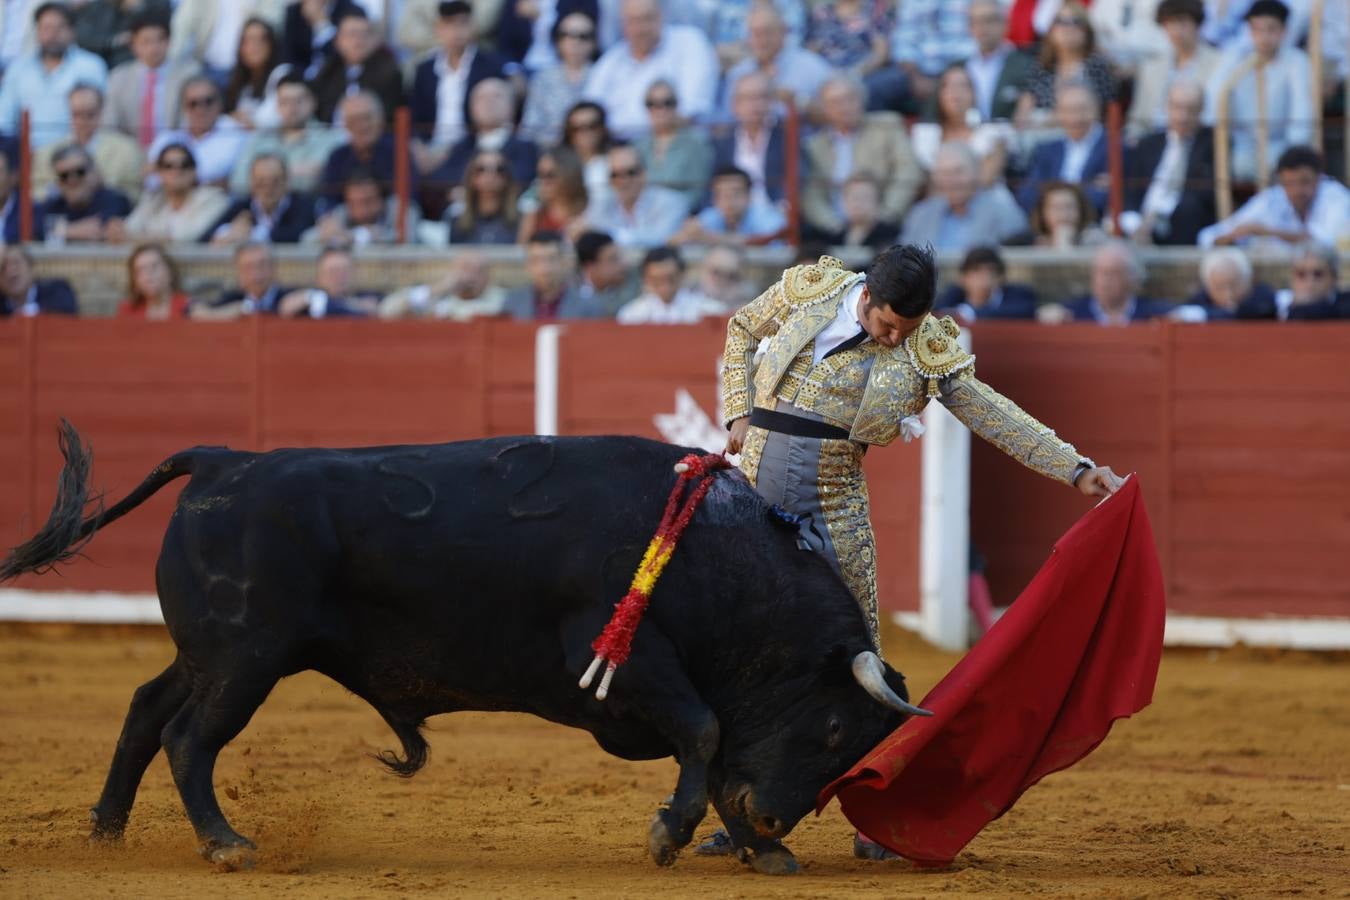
[{"x": 1236, "y": 782}]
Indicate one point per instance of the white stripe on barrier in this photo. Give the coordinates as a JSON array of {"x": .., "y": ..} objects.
[{"x": 97, "y": 607}]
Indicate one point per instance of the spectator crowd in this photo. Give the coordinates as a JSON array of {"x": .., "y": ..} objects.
[{"x": 592, "y": 133}]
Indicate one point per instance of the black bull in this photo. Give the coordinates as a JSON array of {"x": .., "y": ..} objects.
[{"x": 474, "y": 576}]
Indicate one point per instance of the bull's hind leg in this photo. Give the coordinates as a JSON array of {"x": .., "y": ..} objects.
[
  {"x": 152, "y": 706},
  {"x": 213, "y": 716}
]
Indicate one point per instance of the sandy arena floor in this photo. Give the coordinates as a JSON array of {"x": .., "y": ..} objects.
[{"x": 1236, "y": 782}]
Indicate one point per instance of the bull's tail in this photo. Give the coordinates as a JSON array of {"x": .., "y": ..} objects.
[
  {"x": 68, "y": 529},
  {"x": 409, "y": 734}
]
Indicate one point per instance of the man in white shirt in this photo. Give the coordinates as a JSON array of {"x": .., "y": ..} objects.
[
  {"x": 1304, "y": 204},
  {"x": 663, "y": 300},
  {"x": 795, "y": 73},
  {"x": 214, "y": 139},
  {"x": 1126, "y": 31},
  {"x": 652, "y": 51},
  {"x": 1272, "y": 92},
  {"x": 633, "y": 212},
  {"x": 41, "y": 81}
]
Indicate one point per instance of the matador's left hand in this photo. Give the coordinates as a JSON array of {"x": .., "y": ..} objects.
[{"x": 1099, "y": 482}]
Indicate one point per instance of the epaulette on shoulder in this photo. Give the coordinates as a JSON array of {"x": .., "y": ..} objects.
[
  {"x": 935, "y": 352},
  {"x": 816, "y": 281}
]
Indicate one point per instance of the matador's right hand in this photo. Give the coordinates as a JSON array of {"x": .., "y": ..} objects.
[{"x": 736, "y": 439}]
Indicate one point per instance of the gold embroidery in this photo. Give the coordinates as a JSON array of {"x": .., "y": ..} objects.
[
  {"x": 894, "y": 390},
  {"x": 933, "y": 349},
  {"x": 844, "y": 505}
]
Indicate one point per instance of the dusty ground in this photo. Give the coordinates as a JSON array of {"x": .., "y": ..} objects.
[{"x": 1236, "y": 782}]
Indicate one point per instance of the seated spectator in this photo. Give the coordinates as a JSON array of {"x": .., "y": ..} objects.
[
  {"x": 360, "y": 64},
  {"x": 1284, "y": 109},
  {"x": 634, "y": 213},
  {"x": 21, "y": 294},
  {"x": 208, "y": 30},
  {"x": 334, "y": 295},
  {"x": 999, "y": 71},
  {"x": 959, "y": 213},
  {"x": 727, "y": 24},
  {"x": 251, "y": 92},
  {"x": 271, "y": 213},
  {"x": 443, "y": 84},
  {"x": 416, "y": 29},
  {"x": 855, "y": 143},
  {"x": 1079, "y": 157},
  {"x": 722, "y": 277},
  {"x": 1184, "y": 57},
  {"x": 214, "y": 138},
  {"x": 1117, "y": 276},
  {"x": 180, "y": 209},
  {"x": 1062, "y": 218},
  {"x": 651, "y": 50},
  {"x": 298, "y": 138},
  {"x": 1303, "y": 204},
  {"x": 144, "y": 92},
  {"x": 664, "y": 300},
  {"x": 489, "y": 212},
  {"x": 82, "y": 205},
  {"x": 1311, "y": 294},
  {"x": 117, "y": 157},
  {"x": 675, "y": 155},
  {"x": 550, "y": 293},
  {"x": 604, "y": 276},
  {"x": 1169, "y": 175},
  {"x": 558, "y": 200},
  {"x": 795, "y": 75},
  {"x": 154, "y": 291},
  {"x": 308, "y": 32},
  {"x": 555, "y": 88},
  {"x": 586, "y": 133},
  {"x": 369, "y": 148},
  {"x": 852, "y": 35},
  {"x": 929, "y": 35},
  {"x": 1226, "y": 285},
  {"x": 108, "y": 28},
  {"x": 40, "y": 79},
  {"x": 1068, "y": 56},
  {"x": 1127, "y": 31},
  {"x": 982, "y": 291},
  {"x": 957, "y": 119},
  {"x": 465, "y": 293},
  {"x": 491, "y": 116},
  {"x": 257, "y": 293},
  {"x": 862, "y": 217},
  {"x": 735, "y": 216},
  {"x": 10, "y": 197},
  {"x": 523, "y": 33},
  {"x": 365, "y": 216},
  {"x": 756, "y": 142}
]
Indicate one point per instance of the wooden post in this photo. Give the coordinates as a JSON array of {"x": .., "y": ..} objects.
[
  {"x": 1315, "y": 67},
  {"x": 25, "y": 177},
  {"x": 1223, "y": 135},
  {"x": 1115, "y": 163},
  {"x": 402, "y": 172}
]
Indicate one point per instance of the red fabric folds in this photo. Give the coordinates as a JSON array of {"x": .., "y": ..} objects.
[{"x": 1078, "y": 650}]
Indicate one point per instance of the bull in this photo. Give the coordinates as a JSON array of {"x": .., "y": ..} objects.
[{"x": 474, "y": 576}]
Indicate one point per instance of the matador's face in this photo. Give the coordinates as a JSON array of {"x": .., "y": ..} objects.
[{"x": 887, "y": 327}]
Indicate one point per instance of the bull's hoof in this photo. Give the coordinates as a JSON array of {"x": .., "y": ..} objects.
[
  {"x": 230, "y": 858},
  {"x": 104, "y": 834},
  {"x": 661, "y": 844},
  {"x": 775, "y": 861}
]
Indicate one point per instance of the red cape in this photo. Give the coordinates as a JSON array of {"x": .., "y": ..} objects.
[{"x": 1078, "y": 650}]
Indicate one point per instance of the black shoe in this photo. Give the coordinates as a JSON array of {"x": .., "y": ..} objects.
[
  {"x": 717, "y": 845},
  {"x": 865, "y": 849}
]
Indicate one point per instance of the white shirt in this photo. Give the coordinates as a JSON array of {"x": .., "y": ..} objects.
[
  {"x": 751, "y": 156},
  {"x": 223, "y": 48},
  {"x": 1288, "y": 107},
  {"x": 450, "y": 97},
  {"x": 1164, "y": 192},
  {"x": 1328, "y": 218},
  {"x": 984, "y": 72},
  {"x": 619, "y": 83},
  {"x": 18, "y": 19},
  {"x": 687, "y": 308},
  {"x": 541, "y": 54},
  {"x": 843, "y": 166},
  {"x": 844, "y": 326},
  {"x": 216, "y": 151},
  {"x": 1126, "y": 30},
  {"x": 1076, "y": 154}
]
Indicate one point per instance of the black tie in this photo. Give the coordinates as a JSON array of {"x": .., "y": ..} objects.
[{"x": 848, "y": 344}]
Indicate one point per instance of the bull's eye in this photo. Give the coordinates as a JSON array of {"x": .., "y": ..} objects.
[{"x": 836, "y": 728}]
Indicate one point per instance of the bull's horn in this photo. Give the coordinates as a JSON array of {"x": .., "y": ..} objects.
[{"x": 870, "y": 673}]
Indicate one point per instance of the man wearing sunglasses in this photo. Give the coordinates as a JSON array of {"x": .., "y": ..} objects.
[
  {"x": 634, "y": 213},
  {"x": 214, "y": 138},
  {"x": 82, "y": 205}
]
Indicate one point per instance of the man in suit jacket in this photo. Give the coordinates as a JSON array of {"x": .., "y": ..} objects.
[
  {"x": 959, "y": 213},
  {"x": 1169, "y": 174},
  {"x": 143, "y": 93},
  {"x": 359, "y": 61},
  {"x": 998, "y": 70},
  {"x": 271, "y": 212},
  {"x": 258, "y": 291},
  {"x": 550, "y": 293},
  {"x": 874, "y": 144},
  {"x": 1078, "y": 158},
  {"x": 981, "y": 290},
  {"x": 308, "y": 33},
  {"x": 1116, "y": 278},
  {"x": 756, "y": 144},
  {"x": 22, "y": 295}
]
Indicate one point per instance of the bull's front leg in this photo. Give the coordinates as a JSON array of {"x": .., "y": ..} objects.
[
  {"x": 673, "y": 825},
  {"x": 765, "y": 855}
]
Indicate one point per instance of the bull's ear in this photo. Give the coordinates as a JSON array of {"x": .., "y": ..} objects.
[{"x": 837, "y": 664}]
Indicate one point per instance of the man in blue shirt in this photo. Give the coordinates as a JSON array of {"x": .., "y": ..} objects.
[
  {"x": 40, "y": 82},
  {"x": 736, "y": 216}
]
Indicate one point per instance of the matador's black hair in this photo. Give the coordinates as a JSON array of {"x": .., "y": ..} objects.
[{"x": 904, "y": 277}]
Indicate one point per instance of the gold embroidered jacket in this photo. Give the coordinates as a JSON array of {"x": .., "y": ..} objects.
[{"x": 868, "y": 390}]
